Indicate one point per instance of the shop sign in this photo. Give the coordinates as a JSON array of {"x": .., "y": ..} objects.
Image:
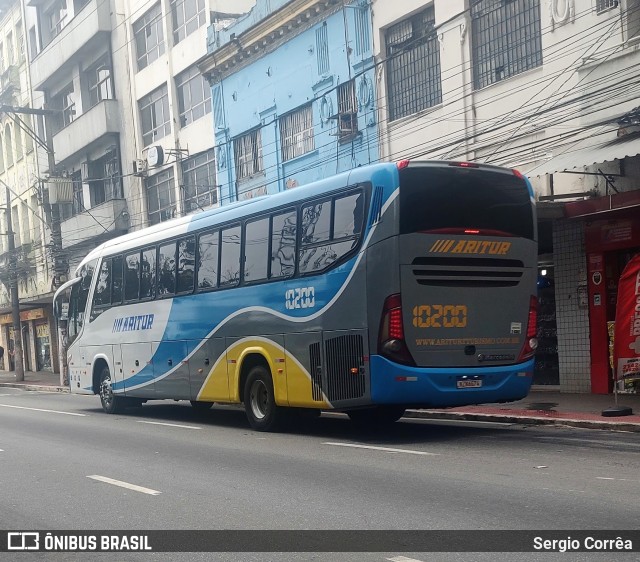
[
  {"x": 627, "y": 329},
  {"x": 618, "y": 231},
  {"x": 42, "y": 331},
  {"x": 25, "y": 316}
]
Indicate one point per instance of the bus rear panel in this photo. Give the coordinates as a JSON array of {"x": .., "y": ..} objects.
[{"x": 460, "y": 326}]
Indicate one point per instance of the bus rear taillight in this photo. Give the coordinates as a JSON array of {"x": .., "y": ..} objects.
[
  {"x": 531, "y": 342},
  {"x": 391, "y": 342},
  {"x": 402, "y": 164}
]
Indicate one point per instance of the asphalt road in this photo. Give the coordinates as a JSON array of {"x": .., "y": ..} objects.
[{"x": 66, "y": 465}]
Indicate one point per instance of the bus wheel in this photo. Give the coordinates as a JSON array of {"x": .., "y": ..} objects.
[
  {"x": 380, "y": 415},
  {"x": 201, "y": 406},
  {"x": 110, "y": 403},
  {"x": 259, "y": 401}
]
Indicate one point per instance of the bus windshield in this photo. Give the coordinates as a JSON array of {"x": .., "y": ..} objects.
[{"x": 431, "y": 199}]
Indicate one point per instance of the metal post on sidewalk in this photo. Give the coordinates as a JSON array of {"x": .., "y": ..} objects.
[{"x": 13, "y": 289}]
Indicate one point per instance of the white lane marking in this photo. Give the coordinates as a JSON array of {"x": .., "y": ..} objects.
[
  {"x": 385, "y": 449},
  {"x": 617, "y": 479},
  {"x": 42, "y": 410},
  {"x": 170, "y": 424},
  {"x": 122, "y": 484},
  {"x": 403, "y": 559}
]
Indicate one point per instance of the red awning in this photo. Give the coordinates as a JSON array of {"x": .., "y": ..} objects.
[{"x": 603, "y": 205}]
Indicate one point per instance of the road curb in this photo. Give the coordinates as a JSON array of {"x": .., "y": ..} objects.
[
  {"x": 526, "y": 420},
  {"x": 36, "y": 387}
]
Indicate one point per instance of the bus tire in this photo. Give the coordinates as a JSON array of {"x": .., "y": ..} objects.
[
  {"x": 201, "y": 406},
  {"x": 259, "y": 401},
  {"x": 111, "y": 404},
  {"x": 378, "y": 416}
]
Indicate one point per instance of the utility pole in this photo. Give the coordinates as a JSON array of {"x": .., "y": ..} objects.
[{"x": 13, "y": 289}]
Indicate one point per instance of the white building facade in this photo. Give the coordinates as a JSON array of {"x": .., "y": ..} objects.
[
  {"x": 546, "y": 87},
  {"x": 21, "y": 193}
]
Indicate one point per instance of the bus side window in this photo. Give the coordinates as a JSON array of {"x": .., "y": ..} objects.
[
  {"x": 208, "y": 260},
  {"x": 148, "y": 274},
  {"x": 230, "y": 256},
  {"x": 167, "y": 269},
  {"x": 116, "y": 274},
  {"x": 346, "y": 218},
  {"x": 316, "y": 222},
  {"x": 186, "y": 264},
  {"x": 132, "y": 277},
  {"x": 102, "y": 294},
  {"x": 283, "y": 245},
  {"x": 256, "y": 250}
]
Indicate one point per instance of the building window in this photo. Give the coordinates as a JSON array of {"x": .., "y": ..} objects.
[
  {"x": 247, "y": 151},
  {"x": 347, "y": 111},
  {"x": 57, "y": 18},
  {"x": 99, "y": 81},
  {"x": 161, "y": 197},
  {"x": 149, "y": 37},
  {"x": 363, "y": 34},
  {"x": 296, "y": 133},
  {"x": 105, "y": 178},
  {"x": 20, "y": 40},
  {"x": 603, "y": 5},
  {"x": 413, "y": 65},
  {"x": 322, "y": 49},
  {"x": 188, "y": 15},
  {"x": 11, "y": 57},
  {"x": 65, "y": 103},
  {"x": 506, "y": 39},
  {"x": 68, "y": 210},
  {"x": 194, "y": 96},
  {"x": 154, "y": 115},
  {"x": 8, "y": 143},
  {"x": 632, "y": 14},
  {"x": 199, "y": 181}
]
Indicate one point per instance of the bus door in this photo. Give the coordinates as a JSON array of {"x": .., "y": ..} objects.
[
  {"x": 208, "y": 378},
  {"x": 171, "y": 370},
  {"x": 137, "y": 369}
]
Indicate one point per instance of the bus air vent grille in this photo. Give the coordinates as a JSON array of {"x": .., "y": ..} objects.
[
  {"x": 342, "y": 355},
  {"x": 316, "y": 371},
  {"x": 468, "y": 272}
]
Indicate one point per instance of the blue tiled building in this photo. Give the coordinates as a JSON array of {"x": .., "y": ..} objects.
[{"x": 293, "y": 95}]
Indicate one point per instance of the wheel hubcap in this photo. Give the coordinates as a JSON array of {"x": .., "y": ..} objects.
[{"x": 259, "y": 398}]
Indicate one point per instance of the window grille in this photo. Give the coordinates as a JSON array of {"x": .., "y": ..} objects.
[
  {"x": 247, "y": 151},
  {"x": 296, "y": 133},
  {"x": 506, "y": 38},
  {"x": 413, "y": 65},
  {"x": 363, "y": 35},
  {"x": 322, "y": 49},
  {"x": 604, "y": 5},
  {"x": 347, "y": 110}
]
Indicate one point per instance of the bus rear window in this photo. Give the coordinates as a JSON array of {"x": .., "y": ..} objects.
[{"x": 435, "y": 198}]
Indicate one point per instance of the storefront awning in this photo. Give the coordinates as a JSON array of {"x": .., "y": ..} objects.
[{"x": 587, "y": 153}]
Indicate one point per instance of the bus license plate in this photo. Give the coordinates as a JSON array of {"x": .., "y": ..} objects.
[{"x": 474, "y": 383}]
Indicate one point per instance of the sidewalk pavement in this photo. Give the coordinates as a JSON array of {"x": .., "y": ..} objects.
[{"x": 543, "y": 405}]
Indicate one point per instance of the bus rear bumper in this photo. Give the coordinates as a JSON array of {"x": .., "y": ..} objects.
[{"x": 420, "y": 387}]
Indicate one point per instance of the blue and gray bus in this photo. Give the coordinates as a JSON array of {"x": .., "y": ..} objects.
[{"x": 391, "y": 286}]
